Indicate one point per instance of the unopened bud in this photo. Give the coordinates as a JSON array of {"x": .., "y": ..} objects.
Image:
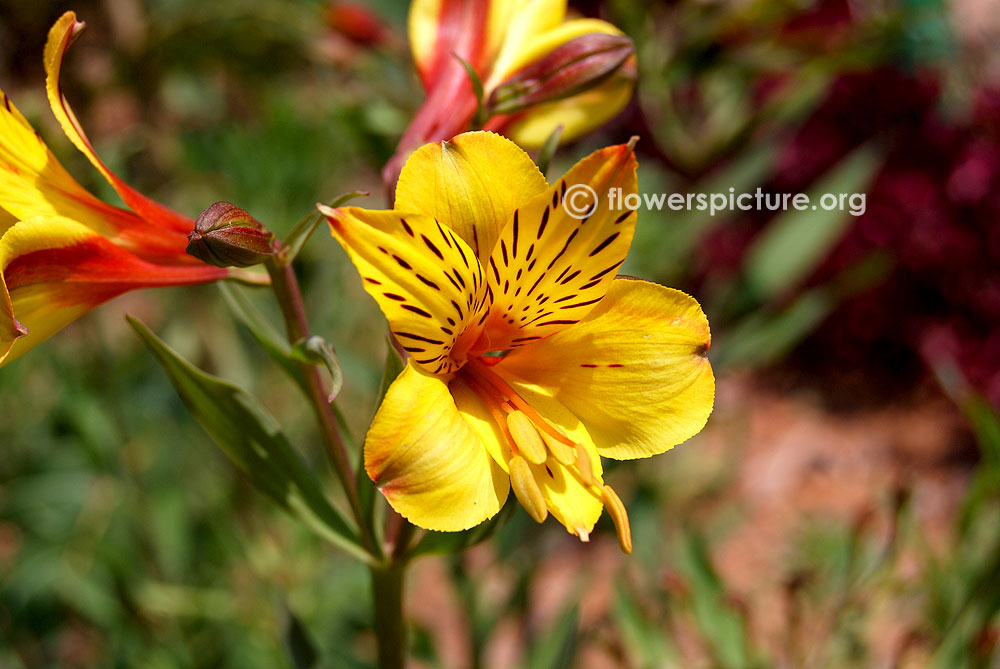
[
  {"x": 226, "y": 236},
  {"x": 574, "y": 67}
]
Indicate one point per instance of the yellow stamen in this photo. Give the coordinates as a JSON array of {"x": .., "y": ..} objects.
[
  {"x": 502, "y": 387},
  {"x": 564, "y": 453},
  {"x": 620, "y": 517},
  {"x": 526, "y": 489},
  {"x": 583, "y": 534},
  {"x": 495, "y": 409},
  {"x": 584, "y": 465},
  {"x": 529, "y": 443}
]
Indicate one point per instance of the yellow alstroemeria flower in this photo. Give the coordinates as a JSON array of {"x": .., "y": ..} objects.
[
  {"x": 530, "y": 360},
  {"x": 587, "y": 72},
  {"x": 63, "y": 251}
]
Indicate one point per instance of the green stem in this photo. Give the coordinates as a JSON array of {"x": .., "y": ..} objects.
[
  {"x": 390, "y": 630},
  {"x": 285, "y": 286}
]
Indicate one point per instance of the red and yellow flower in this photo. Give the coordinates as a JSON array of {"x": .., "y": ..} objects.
[
  {"x": 538, "y": 70},
  {"x": 63, "y": 251},
  {"x": 530, "y": 359}
]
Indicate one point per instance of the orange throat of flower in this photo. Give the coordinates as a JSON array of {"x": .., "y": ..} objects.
[{"x": 532, "y": 439}]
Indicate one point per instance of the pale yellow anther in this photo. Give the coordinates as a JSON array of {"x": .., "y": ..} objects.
[
  {"x": 565, "y": 454},
  {"x": 584, "y": 465},
  {"x": 526, "y": 489},
  {"x": 529, "y": 443},
  {"x": 620, "y": 517}
]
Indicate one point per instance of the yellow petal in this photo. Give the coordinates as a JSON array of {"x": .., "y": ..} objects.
[
  {"x": 577, "y": 115},
  {"x": 527, "y": 44},
  {"x": 550, "y": 268},
  {"x": 31, "y": 314},
  {"x": 439, "y": 31},
  {"x": 425, "y": 279},
  {"x": 53, "y": 270},
  {"x": 576, "y": 506},
  {"x": 472, "y": 184},
  {"x": 33, "y": 183},
  {"x": 422, "y": 26},
  {"x": 428, "y": 461},
  {"x": 61, "y": 35},
  {"x": 634, "y": 370},
  {"x": 6, "y": 221},
  {"x": 518, "y": 28}
]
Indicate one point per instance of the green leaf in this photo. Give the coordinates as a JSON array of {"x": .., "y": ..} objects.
[
  {"x": 301, "y": 647},
  {"x": 303, "y": 230},
  {"x": 393, "y": 367},
  {"x": 548, "y": 149},
  {"x": 477, "y": 89},
  {"x": 796, "y": 241},
  {"x": 557, "y": 646},
  {"x": 645, "y": 639},
  {"x": 272, "y": 341},
  {"x": 312, "y": 350},
  {"x": 315, "y": 350},
  {"x": 253, "y": 440},
  {"x": 723, "y": 628},
  {"x": 763, "y": 338}
]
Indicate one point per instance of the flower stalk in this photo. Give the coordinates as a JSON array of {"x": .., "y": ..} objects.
[
  {"x": 285, "y": 287},
  {"x": 390, "y": 628}
]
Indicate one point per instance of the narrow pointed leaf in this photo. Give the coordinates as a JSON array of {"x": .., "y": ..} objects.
[
  {"x": 272, "y": 341},
  {"x": 794, "y": 243},
  {"x": 557, "y": 647},
  {"x": 477, "y": 88},
  {"x": 548, "y": 150},
  {"x": 253, "y": 440}
]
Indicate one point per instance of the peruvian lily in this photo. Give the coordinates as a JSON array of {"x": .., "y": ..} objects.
[
  {"x": 537, "y": 71},
  {"x": 530, "y": 360},
  {"x": 63, "y": 251}
]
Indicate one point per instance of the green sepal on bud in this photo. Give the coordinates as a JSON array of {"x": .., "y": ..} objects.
[
  {"x": 226, "y": 236},
  {"x": 574, "y": 67}
]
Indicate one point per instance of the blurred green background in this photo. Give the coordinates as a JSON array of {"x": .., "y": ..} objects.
[{"x": 842, "y": 509}]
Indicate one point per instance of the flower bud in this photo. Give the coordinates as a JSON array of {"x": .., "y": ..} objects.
[
  {"x": 574, "y": 67},
  {"x": 226, "y": 236}
]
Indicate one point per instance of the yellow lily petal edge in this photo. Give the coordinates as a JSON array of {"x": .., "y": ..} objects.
[
  {"x": 472, "y": 183},
  {"x": 427, "y": 460},
  {"x": 62, "y": 34},
  {"x": 635, "y": 370}
]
